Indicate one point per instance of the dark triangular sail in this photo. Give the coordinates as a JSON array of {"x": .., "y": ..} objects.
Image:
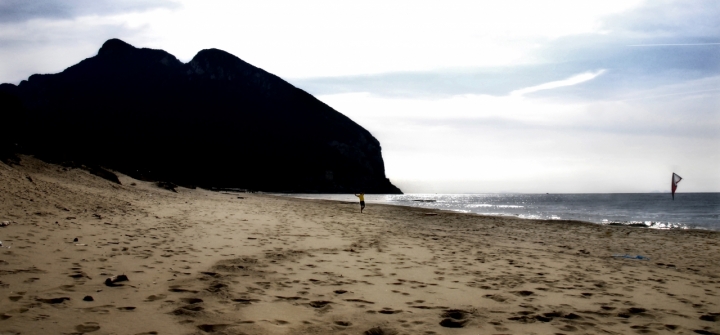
[{"x": 675, "y": 180}]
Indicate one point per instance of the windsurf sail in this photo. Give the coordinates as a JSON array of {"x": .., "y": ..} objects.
[{"x": 675, "y": 180}]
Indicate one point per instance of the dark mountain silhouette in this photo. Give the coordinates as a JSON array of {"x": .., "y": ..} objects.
[{"x": 216, "y": 121}]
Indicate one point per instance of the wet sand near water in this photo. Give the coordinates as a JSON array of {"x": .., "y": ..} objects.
[{"x": 201, "y": 262}]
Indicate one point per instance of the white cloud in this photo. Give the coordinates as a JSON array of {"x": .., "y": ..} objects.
[
  {"x": 672, "y": 44},
  {"x": 22, "y": 10},
  {"x": 329, "y": 38},
  {"x": 574, "y": 80}
]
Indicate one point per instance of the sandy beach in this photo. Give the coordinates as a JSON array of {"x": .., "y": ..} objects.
[{"x": 203, "y": 262}]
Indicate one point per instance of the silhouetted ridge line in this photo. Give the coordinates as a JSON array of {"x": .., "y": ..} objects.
[
  {"x": 114, "y": 46},
  {"x": 215, "y": 121}
]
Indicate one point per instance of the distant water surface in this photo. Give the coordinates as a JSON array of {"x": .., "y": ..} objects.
[{"x": 655, "y": 210}]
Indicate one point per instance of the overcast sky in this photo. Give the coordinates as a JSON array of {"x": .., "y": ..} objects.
[{"x": 464, "y": 96}]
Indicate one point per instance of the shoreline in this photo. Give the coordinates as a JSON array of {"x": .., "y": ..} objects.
[
  {"x": 203, "y": 262},
  {"x": 633, "y": 224}
]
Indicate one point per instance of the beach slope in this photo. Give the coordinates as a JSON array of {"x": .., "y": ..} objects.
[{"x": 201, "y": 262}]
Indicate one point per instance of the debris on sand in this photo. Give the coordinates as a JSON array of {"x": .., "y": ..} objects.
[{"x": 112, "y": 281}]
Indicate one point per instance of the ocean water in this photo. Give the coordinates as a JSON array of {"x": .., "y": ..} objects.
[{"x": 653, "y": 210}]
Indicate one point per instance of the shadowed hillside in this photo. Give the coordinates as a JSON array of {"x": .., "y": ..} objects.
[{"x": 216, "y": 121}]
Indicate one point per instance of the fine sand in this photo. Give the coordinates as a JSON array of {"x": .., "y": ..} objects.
[{"x": 202, "y": 262}]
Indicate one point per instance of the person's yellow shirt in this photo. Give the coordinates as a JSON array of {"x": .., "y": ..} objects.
[{"x": 361, "y": 196}]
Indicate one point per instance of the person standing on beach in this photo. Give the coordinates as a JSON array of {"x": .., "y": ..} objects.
[{"x": 362, "y": 200}]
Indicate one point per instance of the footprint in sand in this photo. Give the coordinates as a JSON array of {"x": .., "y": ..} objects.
[
  {"x": 245, "y": 301},
  {"x": 632, "y": 311},
  {"x": 178, "y": 289},
  {"x": 380, "y": 331},
  {"x": 88, "y": 327},
  {"x": 191, "y": 300},
  {"x": 189, "y": 310},
  {"x": 53, "y": 301},
  {"x": 360, "y": 301},
  {"x": 213, "y": 328},
  {"x": 155, "y": 297},
  {"x": 319, "y": 303},
  {"x": 523, "y": 293},
  {"x": 387, "y": 310},
  {"x": 455, "y": 318},
  {"x": 496, "y": 297}
]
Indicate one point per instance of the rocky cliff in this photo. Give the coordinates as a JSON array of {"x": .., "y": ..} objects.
[{"x": 215, "y": 121}]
